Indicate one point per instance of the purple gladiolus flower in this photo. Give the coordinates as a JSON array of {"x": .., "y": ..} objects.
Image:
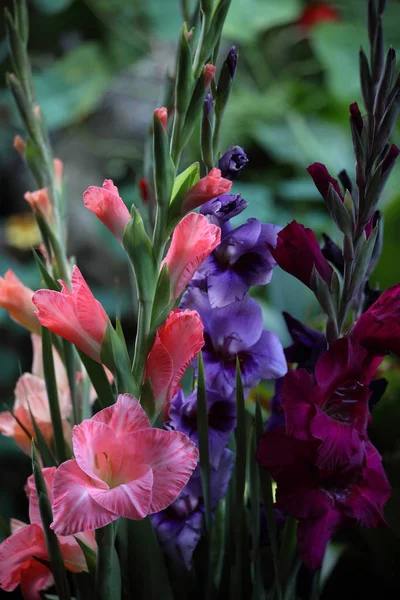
[
  {"x": 221, "y": 420},
  {"x": 277, "y": 416},
  {"x": 309, "y": 344},
  {"x": 242, "y": 259},
  {"x": 232, "y": 162},
  {"x": 236, "y": 331},
  {"x": 180, "y": 526}
]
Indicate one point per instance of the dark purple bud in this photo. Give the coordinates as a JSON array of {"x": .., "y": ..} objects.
[
  {"x": 208, "y": 105},
  {"x": 371, "y": 295},
  {"x": 390, "y": 158},
  {"x": 345, "y": 180},
  {"x": 232, "y": 162},
  {"x": 356, "y": 117},
  {"x": 333, "y": 253},
  {"x": 231, "y": 61},
  {"x": 374, "y": 220},
  {"x": 322, "y": 179},
  {"x": 308, "y": 344}
]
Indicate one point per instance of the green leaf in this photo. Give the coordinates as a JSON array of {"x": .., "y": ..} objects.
[
  {"x": 52, "y": 395},
  {"x": 183, "y": 182},
  {"x": 46, "y": 515},
  {"x": 89, "y": 554},
  {"x": 202, "y": 427},
  {"x": 51, "y": 7},
  {"x": 105, "y": 563},
  {"x": 98, "y": 377},
  {"x": 72, "y": 87},
  {"x": 162, "y": 294},
  {"x": 45, "y": 454},
  {"x": 51, "y": 283},
  {"x": 114, "y": 354}
]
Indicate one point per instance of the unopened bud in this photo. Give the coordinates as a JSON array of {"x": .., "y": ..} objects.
[
  {"x": 162, "y": 115},
  {"x": 209, "y": 72},
  {"x": 19, "y": 145}
]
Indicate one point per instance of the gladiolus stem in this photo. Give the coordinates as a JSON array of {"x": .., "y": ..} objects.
[
  {"x": 143, "y": 343},
  {"x": 105, "y": 537}
]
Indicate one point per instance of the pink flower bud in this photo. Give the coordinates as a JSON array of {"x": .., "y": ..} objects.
[
  {"x": 58, "y": 167},
  {"x": 40, "y": 204},
  {"x": 209, "y": 72},
  {"x": 16, "y": 298},
  {"x": 210, "y": 186},
  {"x": 162, "y": 115},
  {"x": 106, "y": 204},
  {"x": 19, "y": 145}
]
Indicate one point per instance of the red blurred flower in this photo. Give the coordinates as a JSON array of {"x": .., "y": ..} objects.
[{"x": 318, "y": 12}]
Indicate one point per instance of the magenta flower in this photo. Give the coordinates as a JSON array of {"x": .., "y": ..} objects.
[
  {"x": 332, "y": 406},
  {"x": 378, "y": 329},
  {"x": 297, "y": 251},
  {"x": 323, "y": 501},
  {"x": 122, "y": 468},
  {"x": 109, "y": 208},
  {"x": 322, "y": 180}
]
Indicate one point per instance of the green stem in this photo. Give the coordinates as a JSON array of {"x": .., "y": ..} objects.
[
  {"x": 175, "y": 149},
  {"x": 197, "y": 63},
  {"x": 142, "y": 340},
  {"x": 105, "y": 544}
]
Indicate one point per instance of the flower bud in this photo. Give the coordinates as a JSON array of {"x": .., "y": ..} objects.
[
  {"x": 232, "y": 162},
  {"x": 162, "y": 114}
]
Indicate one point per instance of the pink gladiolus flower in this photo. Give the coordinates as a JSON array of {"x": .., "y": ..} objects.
[
  {"x": 106, "y": 204},
  {"x": 162, "y": 115},
  {"x": 74, "y": 315},
  {"x": 209, "y": 72},
  {"x": 17, "y": 299},
  {"x": 193, "y": 240},
  {"x": 177, "y": 342},
  {"x": 40, "y": 204},
  {"x": 18, "y": 553},
  {"x": 210, "y": 186},
  {"x": 31, "y": 396},
  {"x": 122, "y": 468}
]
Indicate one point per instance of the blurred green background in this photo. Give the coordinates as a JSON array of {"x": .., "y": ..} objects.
[{"x": 100, "y": 71}]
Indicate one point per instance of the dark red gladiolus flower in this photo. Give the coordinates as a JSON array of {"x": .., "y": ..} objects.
[
  {"x": 356, "y": 117},
  {"x": 297, "y": 251},
  {"x": 318, "y": 12},
  {"x": 322, "y": 179},
  {"x": 378, "y": 329},
  {"x": 331, "y": 406},
  {"x": 323, "y": 501}
]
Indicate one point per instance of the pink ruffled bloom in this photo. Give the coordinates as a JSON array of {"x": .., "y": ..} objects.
[
  {"x": 210, "y": 186},
  {"x": 323, "y": 501},
  {"x": 122, "y": 468},
  {"x": 75, "y": 314},
  {"x": 106, "y": 203},
  {"x": 378, "y": 328},
  {"x": 31, "y": 396},
  {"x": 331, "y": 406},
  {"x": 193, "y": 240},
  {"x": 162, "y": 115},
  {"x": 16, "y": 298},
  {"x": 26, "y": 544},
  {"x": 177, "y": 343}
]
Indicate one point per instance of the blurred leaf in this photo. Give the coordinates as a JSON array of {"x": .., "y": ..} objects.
[
  {"x": 337, "y": 46},
  {"x": 52, "y": 6},
  {"x": 247, "y": 18},
  {"x": 72, "y": 87}
]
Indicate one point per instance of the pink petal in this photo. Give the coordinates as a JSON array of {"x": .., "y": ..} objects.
[
  {"x": 193, "y": 240},
  {"x": 74, "y": 559},
  {"x": 108, "y": 207},
  {"x": 172, "y": 457},
  {"x": 74, "y": 509},
  {"x": 34, "y": 579},
  {"x": 37, "y": 364},
  {"x": 16, "y": 554},
  {"x": 131, "y": 499},
  {"x": 97, "y": 450},
  {"x": 159, "y": 368},
  {"x": 90, "y": 313},
  {"x": 125, "y": 416}
]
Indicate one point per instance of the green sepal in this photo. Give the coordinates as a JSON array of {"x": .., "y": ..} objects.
[
  {"x": 45, "y": 454},
  {"x": 322, "y": 293},
  {"x": 89, "y": 554},
  {"x": 194, "y": 110},
  {"x": 338, "y": 211},
  {"x": 204, "y": 447},
  {"x": 184, "y": 77},
  {"x": 224, "y": 87},
  {"x": 114, "y": 354},
  {"x": 206, "y": 138},
  {"x": 148, "y": 400},
  {"x": 214, "y": 32},
  {"x": 162, "y": 295},
  {"x": 52, "y": 395},
  {"x": 34, "y": 158},
  {"x": 362, "y": 261},
  {"x": 98, "y": 377},
  {"x": 182, "y": 184},
  {"x": 22, "y": 103},
  {"x": 164, "y": 168},
  {"x": 206, "y": 6},
  {"x": 46, "y": 515},
  {"x": 50, "y": 282},
  {"x": 22, "y": 21},
  {"x": 139, "y": 248}
]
